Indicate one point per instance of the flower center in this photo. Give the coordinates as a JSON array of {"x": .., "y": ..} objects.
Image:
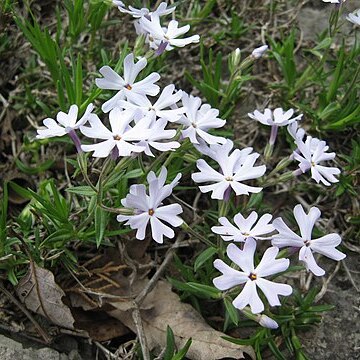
[
  {"x": 117, "y": 137},
  {"x": 245, "y": 234},
  {"x": 229, "y": 178},
  {"x": 313, "y": 164},
  {"x": 166, "y": 37},
  {"x": 252, "y": 276},
  {"x": 128, "y": 86},
  {"x": 194, "y": 125},
  {"x": 307, "y": 243},
  {"x": 151, "y": 212}
]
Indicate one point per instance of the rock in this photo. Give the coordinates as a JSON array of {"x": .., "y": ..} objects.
[{"x": 11, "y": 350}]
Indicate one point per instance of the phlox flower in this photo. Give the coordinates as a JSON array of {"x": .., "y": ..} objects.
[
  {"x": 252, "y": 277},
  {"x": 150, "y": 209},
  {"x": 245, "y": 227},
  {"x": 234, "y": 169},
  {"x": 296, "y": 132},
  {"x": 166, "y": 38},
  {"x": 310, "y": 154},
  {"x": 324, "y": 245},
  {"x": 127, "y": 85},
  {"x": 65, "y": 123},
  {"x": 122, "y": 136},
  {"x": 332, "y": 1},
  {"x": 161, "y": 10},
  {"x": 199, "y": 119},
  {"x": 157, "y": 136},
  {"x": 354, "y": 17},
  {"x": 277, "y": 117},
  {"x": 163, "y": 107}
]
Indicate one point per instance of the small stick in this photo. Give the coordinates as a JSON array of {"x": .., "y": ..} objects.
[{"x": 140, "y": 331}]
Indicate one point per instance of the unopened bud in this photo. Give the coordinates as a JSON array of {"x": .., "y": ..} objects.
[{"x": 259, "y": 52}]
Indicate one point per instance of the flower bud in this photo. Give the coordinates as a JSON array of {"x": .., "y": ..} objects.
[
  {"x": 267, "y": 322},
  {"x": 258, "y": 52}
]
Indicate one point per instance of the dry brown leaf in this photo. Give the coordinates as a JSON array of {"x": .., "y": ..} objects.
[
  {"x": 167, "y": 309},
  {"x": 98, "y": 325},
  {"x": 39, "y": 292}
]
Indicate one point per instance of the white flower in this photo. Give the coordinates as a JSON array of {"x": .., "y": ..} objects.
[
  {"x": 65, "y": 123},
  {"x": 235, "y": 168},
  {"x": 333, "y": 1},
  {"x": 199, "y": 119},
  {"x": 245, "y": 227},
  {"x": 161, "y": 10},
  {"x": 157, "y": 135},
  {"x": 295, "y": 131},
  {"x": 312, "y": 152},
  {"x": 259, "y": 52},
  {"x": 166, "y": 38},
  {"x": 162, "y": 107},
  {"x": 122, "y": 135},
  {"x": 278, "y": 117},
  {"x": 252, "y": 277},
  {"x": 354, "y": 17},
  {"x": 149, "y": 208},
  {"x": 127, "y": 86},
  {"x": 324, "y": 245}
]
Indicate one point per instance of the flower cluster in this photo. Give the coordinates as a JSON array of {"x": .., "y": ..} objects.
[
  {"x": 246, "y": 231},
  {"x": 310, "y": 153},
  {"x": 143, "y": 118}
]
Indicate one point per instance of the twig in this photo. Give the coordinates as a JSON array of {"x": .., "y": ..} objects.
[
  {"x": 140, "y": 331},
  {"x": 349, "y": 276},
  {"x": 151, "y": 284},
  {"x": 326, "y": 282},
  {"x": 107, "y": 352}
]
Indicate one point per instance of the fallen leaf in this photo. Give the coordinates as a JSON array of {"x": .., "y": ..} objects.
[
  {"x": 99, "y": 325},
  {"x": 167, "y": 309},
  {"x": 39, "y": 292}
]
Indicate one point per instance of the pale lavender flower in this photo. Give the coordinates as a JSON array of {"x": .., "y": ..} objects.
[
  {"x": 122, "y": 136},
  {"x": 245, "y": 227},
  {"x": 275, "y": 118},
  {"x": 65, "y": 123},
  {"x": 234, "y": 169},
  {"x": 354, "y": 17},
  {"x": 296, "y": 132},
  {"x": 127, "y": 85},
  {"x": 167, "y": 37},
  {"x": 199, "y": 119},
  {"x": 324, "y": 245},
  {"x": 252, "y": 277},
  {"x": 310, "y": 154},
  {"x": 161, "y": 10},
  {"x": 150, "y": 209}
]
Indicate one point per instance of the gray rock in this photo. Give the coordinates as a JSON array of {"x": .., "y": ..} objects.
[{"x": 13, "y": 350}]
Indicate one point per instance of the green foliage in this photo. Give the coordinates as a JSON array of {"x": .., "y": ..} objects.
[
  {"x": 170, "y": 349},
  {"x": 222, "y": 87}
]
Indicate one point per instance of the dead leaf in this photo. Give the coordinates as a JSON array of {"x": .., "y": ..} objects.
[
  {"x": 99, "y": 325},
  {"x": 167, "y": 309},
  {"x": 39, "y": 292}
]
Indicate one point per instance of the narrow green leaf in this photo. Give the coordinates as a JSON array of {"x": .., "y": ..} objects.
[
  {"x": 100, "y": 224},
  {"x": 170, "y": 344},
  {"x": 232, "y": 311},
  {"x": 203, "y": 257},
  {"x": 81, "y": 190}
]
